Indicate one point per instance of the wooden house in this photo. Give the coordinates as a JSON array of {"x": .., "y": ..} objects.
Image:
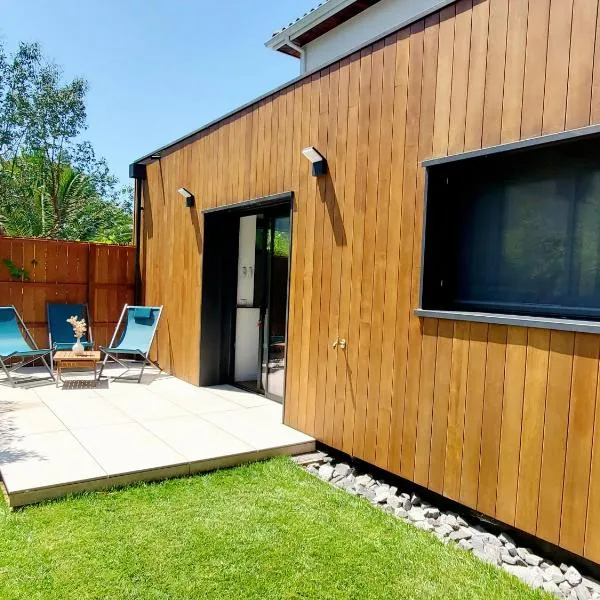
[{"x": 421, "y": 285}]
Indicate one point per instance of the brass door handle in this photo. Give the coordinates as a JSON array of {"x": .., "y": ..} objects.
[{"x": 341, "y": 342}]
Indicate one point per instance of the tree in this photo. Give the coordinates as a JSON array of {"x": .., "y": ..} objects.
[{"x": 51, "y": 183}]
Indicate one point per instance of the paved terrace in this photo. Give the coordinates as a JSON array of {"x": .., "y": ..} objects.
[{"x": 59, "y": 441}]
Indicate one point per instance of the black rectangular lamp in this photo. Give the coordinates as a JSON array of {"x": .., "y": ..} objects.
[
  {"x": 319, "y": 162},
  {"x": 189, "y": 197}
]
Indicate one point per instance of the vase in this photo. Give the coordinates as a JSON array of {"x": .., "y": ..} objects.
[{"x": 78, "y": 347}]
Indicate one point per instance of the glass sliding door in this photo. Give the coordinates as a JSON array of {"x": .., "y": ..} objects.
[
  {"x": 261, "y": 305},
  {"x": 275, "y": 348},
  {"x": 250, "y": 302}
]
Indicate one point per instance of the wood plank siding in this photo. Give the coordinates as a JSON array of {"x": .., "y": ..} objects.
[{"x": 500, "y": 418}]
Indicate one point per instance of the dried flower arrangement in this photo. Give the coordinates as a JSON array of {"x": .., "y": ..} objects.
[{"x": 79, "y": 326}]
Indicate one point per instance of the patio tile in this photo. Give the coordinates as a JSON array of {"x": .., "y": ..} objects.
[
  {"x": 241, "y": 397},
  {"x": 45, "y": 459},
  {"x": 10, "y": 394},
  {"x": 198, "y": 401},
  {"x": 27, "y": 417},
  {"x": 172, "y": 385},
  {"x": 252, "y": 428},
  {"x": 196, "y": 439},
  {"x": 56, "y": 441},
  {"x": 127, "y": 447},
  {"x": 53, "y": 393},
  {"x": 271, "y": 413},
  {"x": 85, "y": 411},
  {"x": 145, "y": 406}
]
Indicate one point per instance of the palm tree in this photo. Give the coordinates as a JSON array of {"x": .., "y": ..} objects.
[{"x": 56, "y": 201}]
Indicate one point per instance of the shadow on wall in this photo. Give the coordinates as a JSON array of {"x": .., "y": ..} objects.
[
  {"x": 328, "y": 196},
  {"x": 197, "y": 229}
]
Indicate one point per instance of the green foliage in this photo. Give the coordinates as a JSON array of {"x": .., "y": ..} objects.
[
  {"x": 281, "y": 245},
  {"x": 51, "y": 183},
  {"x": 17, "y": 273}
]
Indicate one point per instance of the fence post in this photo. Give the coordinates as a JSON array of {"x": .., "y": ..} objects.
[{"x": 91, "y": 287}]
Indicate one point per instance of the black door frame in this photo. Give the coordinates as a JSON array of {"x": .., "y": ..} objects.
[{"x": 219, "y": 284}]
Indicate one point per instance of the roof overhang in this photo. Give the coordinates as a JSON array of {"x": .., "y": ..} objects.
[{"x": 317, "y": 22}]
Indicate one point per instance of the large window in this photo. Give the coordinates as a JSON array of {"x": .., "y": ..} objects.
[{"x": 516, "y": 233}]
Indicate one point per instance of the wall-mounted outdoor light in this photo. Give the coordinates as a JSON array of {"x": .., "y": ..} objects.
[
  {"x": 189, "y": 197},
  {"x": 319, "y": 163}
]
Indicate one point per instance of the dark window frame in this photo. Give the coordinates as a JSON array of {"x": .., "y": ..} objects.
[{"x": 529, "y": 314}]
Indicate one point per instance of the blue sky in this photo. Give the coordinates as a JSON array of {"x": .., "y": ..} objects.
[{"x": 157, "y": 69}]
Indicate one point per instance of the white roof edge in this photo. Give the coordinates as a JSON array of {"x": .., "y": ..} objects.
[{"x": 307, "y": 22}]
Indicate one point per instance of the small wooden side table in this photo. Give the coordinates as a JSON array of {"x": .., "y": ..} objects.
[{"x": 69, "y": 360}]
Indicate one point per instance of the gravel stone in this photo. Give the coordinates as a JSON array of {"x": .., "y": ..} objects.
[
  {"x": 519, "y": 572},
  {"x": 533, "y": 560},
  {"x": 522, "y": 552},
  {"x": 509, "y": 559},
  {"x": 534, "y": 578},
  {"x": 489, "y": 554},
  {"x": 326, "y": 472},
  {"x": 393, "y": 501},
  {"x": 342, "y": 469},
  {"x": 400, "y": 512},
  {"x": 554, "y": 574},
  {"x": 511, "y": 549},
  {"x": 461, "y": 534},
  {"x": 573, "y": 576},
  {"x": 416, "y": 515},
  {"x": 432, "y": 513},
  {"x": 591, "y": 585},
  {"x": 444, "y": 530},
  {"x": 381, "y": 494},
  {"x": 348, "y": 481},
  {"x": 465, "y": 545},
  {"x": 477, "y": 542},
  {"x": 406, "y": 504},
  {"x": 552, "y": 588},
  {"x": 565, "y": 588},
  {"x": 506, "y": 539},
  {"x": 364, "y": 480},
  {"x": 369, "y": 494},
  {"x": 492, "y": 540},
  {"x": 582, "y": 592}
]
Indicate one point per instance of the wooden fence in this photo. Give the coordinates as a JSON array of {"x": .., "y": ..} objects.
[{"x": 55, "y": 271}]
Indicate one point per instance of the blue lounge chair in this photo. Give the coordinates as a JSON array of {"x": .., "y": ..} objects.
[
  {"x": 16, "y": 342},
  {"x": 139, "y": 327},
  {"x": 60, "y": 333}
]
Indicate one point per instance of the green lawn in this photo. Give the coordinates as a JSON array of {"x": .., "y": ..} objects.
[{"x": 263, "y": 531}]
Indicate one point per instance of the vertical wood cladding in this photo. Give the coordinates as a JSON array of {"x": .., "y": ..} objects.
[{"x": 502, "y": 419}]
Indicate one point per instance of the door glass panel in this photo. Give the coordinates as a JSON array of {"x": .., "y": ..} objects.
[
  {"x": 278, "y": 289},
  {"x": 261, "y": 310},
  {"x": 249, "y": 328}
]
